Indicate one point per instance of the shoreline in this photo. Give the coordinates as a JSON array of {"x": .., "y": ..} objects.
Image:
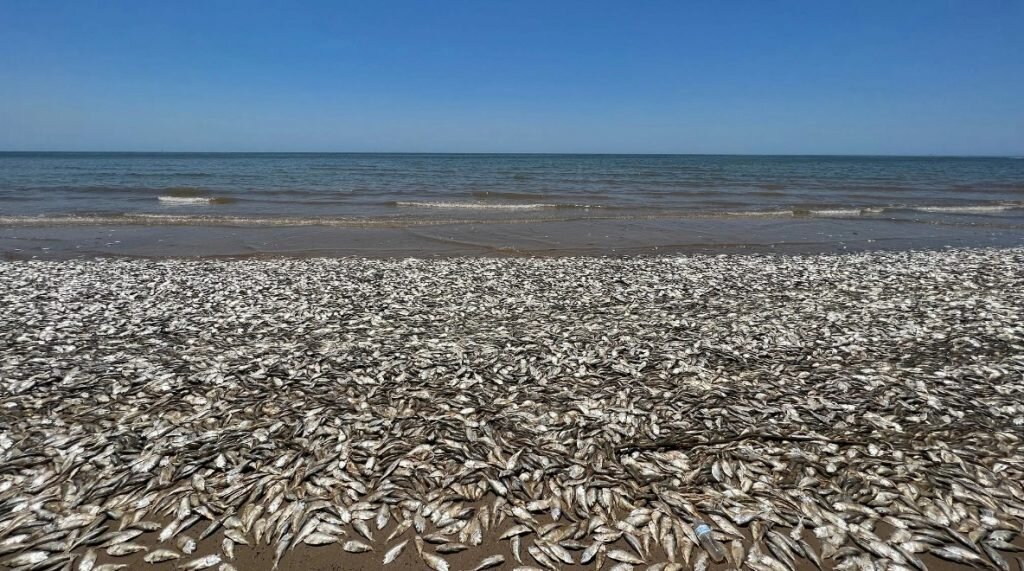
[
  {"x": 858, "y": 409},
  {"x": 562, "y": 238}
]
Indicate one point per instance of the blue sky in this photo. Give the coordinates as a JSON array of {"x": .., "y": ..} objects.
[{"x": 816, "y": 76}]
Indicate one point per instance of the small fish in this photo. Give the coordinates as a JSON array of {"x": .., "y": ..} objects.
[
  {"x": 281, "y": 547},
  {"x": 514, "y": 545},
  {"x": 703, "y": 561},
  {"x": 560, "y": 553},
  {"x": 122, "y": 536},
  {"x": 204, "y": 562},
  {"x": 540, "y": 557},
  {"x": 624, "y": 557},
  {"x": 161, "y": 555},
  {"x": 514, "y": 530},
  {"x": 394, "y": 552},
  {"x": 590, "y": 552},
  {"x": 400, "y": 529},
  {"x": 122, "y": 549},
  {"x": 75, "y": 521},
  {"x": 1003, "y": 545},
  {"x": 88, "y": 561},
  {"x": 488, "y": 562},
  {"x": 956, "y": 554},
  {"x": 186, "y": 544},
  {"x": 915, "y": 546},
  {"x": 434, "y": 562},
  {"x": 996, "y": 558},
  {"x": 356, "y": 546},
  {"x": 236, "y": 536},
  {"x": 363, "y": 529},
  {"x": 317, "y": 538},
  {"x": 27, "y": 558},
  {"x": 451, "y": 547}
]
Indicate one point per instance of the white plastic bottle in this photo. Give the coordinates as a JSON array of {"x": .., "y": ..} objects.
[{"x": 709, "y": 543}]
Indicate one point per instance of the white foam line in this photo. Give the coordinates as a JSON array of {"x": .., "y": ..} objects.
[
  {"x": 760, "y": 213},
  {"x": 966, "y": 209},
  {"x": 474, "y": 205},
  {"x": 185, "y": 199},
  {"x": 836, "y": 212}
]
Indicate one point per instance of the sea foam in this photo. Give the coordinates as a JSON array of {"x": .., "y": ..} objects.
[{"x": 475, "y": 205}]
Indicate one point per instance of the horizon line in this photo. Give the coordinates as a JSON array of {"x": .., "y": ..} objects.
[{"x": 559, "y": 153}]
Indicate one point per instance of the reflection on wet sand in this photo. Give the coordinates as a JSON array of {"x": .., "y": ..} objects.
[{"x": 510, "y": 237}]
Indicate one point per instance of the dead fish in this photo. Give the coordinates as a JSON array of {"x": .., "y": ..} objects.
[
  {"x": 541, "y": 557},
  {"x": 27, "y": 558},
  {"x": 956, "y": 554},
  {"x": 1002, "y": 545},
  {"x": 88, "y": 561},
  {"x": 160, "y": 555},
  {"x": 75, "y": 521},
  {"x": 514, "y": 545},
  {"x": 363, "y": 529},
  {"x": 488, "y": 562},
  {"x": 356, "y": 546},
  {"x": 514, "y": 530},
  {"x": 703, "y": 562},
  {"x": 317, "y": 538},
  {"x": 204, "y": 562},
  {"x": 394, "y": 552},
  {"x": 117, "y": 537},
  {"x": 451, "y": 547},
  {"x": 123, "y": 549},
  {"x": 186, "y": 544},
  {"x": 434, "y": 562},
  {"x": 559, "y": 552},
  {"x": 624, "y": 557},
  {"x": 589, "y": 553},
  {"x": 236, "y": 536},
  {"x": 582, "y": 412}
]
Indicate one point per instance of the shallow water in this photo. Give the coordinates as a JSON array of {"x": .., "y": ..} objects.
[
  {"x": 405, "y": 185},
  {"x": 512, "y": 202}
]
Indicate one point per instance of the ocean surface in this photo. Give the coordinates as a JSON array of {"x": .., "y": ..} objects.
[{"x": 242, "y": 190}]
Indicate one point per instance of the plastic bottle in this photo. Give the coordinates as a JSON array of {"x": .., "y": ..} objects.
[{"x": 709, "y": 543}]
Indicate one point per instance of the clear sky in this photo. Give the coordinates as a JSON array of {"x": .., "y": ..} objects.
[{"x": 759, "y": 76}]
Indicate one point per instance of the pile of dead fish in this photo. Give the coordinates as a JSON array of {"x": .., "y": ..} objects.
[{"x": 843, "y": 411}]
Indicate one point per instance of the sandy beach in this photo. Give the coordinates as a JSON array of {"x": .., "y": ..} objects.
[
  {"x": 853, "y": 411},
  {"x": 721, "y": 235},
  {"x": 511, "y": 286}
]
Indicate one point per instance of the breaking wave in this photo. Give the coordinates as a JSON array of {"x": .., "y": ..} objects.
[
  {"x": 829, "y": 212},
  {"x": 968, "y": 209},
  {"x": 186, "y": 200},
  {"x": 758, "y": 213},
  {"x": 484, "y": 205},
  {"x": 531, "y": 212},
  {"x": 837, "y": 212}
]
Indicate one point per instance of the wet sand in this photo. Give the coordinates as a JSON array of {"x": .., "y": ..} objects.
[{"x": 553, "y": 238}]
